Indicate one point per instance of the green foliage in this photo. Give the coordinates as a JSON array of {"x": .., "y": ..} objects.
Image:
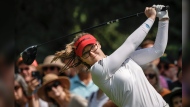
[{"x": 39, "y": 21}]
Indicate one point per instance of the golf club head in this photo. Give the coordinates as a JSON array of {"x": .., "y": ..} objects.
[{"x": 29, "y": 54}]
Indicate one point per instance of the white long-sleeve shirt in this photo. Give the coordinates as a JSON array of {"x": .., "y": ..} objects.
[{"x": 120, "y": 76}]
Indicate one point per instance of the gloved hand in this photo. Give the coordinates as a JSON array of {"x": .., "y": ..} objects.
[{"x": 161, "y": 14}]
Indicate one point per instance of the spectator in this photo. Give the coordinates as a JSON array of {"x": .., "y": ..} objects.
[
  {"x": 152, "y": 74},
  {"x": 50, "y": 67},
  {"x": 26, "y": 70},
  {"x": 171, "y": 73},
  {"x": 82, "y": 83},
  {"x": 174, "y": 99},
  {"x": 165, "y": 68},
  {"x": 20, "y": 92},
  {"x": 33, "y": 82},
  {"x": 55, "y": 89},
  {"x": 163, "y": 64}
]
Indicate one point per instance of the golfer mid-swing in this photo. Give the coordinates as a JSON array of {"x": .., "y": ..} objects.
[{"x": 119, "y": 75}]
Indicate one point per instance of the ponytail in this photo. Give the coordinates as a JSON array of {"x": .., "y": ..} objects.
[{"x": 69, "y": 54}]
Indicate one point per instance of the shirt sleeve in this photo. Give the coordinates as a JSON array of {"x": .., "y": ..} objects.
[
  {"x": 147, "y": 55},
  {"x": 129, "y": 46}
]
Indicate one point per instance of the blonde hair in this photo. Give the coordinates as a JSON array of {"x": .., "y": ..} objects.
[
  {"x": 153, "y": 68},
  {"x": 69, "y": 54},
  {"x": 18, "y": 78}
]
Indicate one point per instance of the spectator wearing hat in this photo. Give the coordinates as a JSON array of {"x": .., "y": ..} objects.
[
  {"x": 174, "y": 99},
  {"x": 55, "y": 89},
  {"x": 50, "y": 67},
  {"x": 33, "y": 83}
]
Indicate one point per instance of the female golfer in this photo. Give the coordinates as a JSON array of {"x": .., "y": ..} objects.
[{"x": 119, "y": 75}]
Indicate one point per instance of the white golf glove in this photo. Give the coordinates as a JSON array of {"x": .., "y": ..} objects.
[{"x": 161, "y": 14}]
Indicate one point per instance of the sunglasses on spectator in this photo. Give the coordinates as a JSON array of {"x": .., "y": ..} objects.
[
  {"x": 21, "y": 69},
  {"x": 151, "y": 76},
  {"x": 49, "y": 87},
  {"x": 50, "y": 68},
  {"x": 16, "y": 88}
]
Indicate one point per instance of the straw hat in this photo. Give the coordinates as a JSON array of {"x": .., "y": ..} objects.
[
  {"x": 65, "y": 83},
  {"x": 47, "y": 62}
]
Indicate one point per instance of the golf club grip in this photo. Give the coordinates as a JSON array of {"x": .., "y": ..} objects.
[{"x": 165, "y": 8}]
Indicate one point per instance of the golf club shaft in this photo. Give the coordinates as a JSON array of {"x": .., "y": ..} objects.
[{"x": 105, "y": 23}]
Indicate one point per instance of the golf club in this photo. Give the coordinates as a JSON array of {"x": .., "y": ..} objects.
[{"x": 29, "y": 54}]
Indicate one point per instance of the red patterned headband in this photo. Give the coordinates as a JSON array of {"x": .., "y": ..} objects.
[{"x": 82, "y": 42}]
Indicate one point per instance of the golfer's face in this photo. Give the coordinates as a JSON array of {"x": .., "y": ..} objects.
[{"x": 92, "y": 53}]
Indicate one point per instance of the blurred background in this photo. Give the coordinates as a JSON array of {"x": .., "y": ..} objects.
[{"x": 40, "y": 21}]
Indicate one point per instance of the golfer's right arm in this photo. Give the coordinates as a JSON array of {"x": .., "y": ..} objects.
[
  {"x": 132, "y": 42},
  {"x": 147, "y": 55}
]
